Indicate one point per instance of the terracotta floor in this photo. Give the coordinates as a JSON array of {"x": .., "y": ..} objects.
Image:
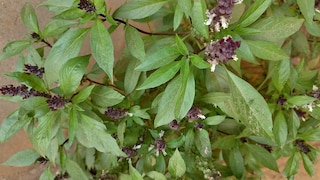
[{"x": 11, "y": 28}]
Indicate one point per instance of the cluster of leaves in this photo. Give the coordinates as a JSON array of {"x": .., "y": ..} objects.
[{"x": 160, "y": 111}]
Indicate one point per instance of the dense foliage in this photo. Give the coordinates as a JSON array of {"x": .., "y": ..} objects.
[{"x": 217, "y": 90}]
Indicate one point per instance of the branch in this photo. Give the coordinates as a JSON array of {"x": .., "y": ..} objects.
[{"x": 85, "y": 78}]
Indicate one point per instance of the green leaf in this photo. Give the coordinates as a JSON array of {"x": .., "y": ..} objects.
[
  {"x": 57, "y": 27},
  {"x": 215, "y": 97},
  {"x": 181, "y": 46},
  {"x": 29, "y": 18},
  {"x": 74, "y": 170},
  {"x": 263, "y": 156},
  {"x": 67, "y": 47},
  {"x": 134, "y": 43},
  {"x": 310, "y": 134},
  {"x": 281, "y": 75},
  {"x": 161, "y": 75},
  {"x": 203, "y": 143},
  {"x": 30, "y": 80},
  {"x": 300, "y": 100},
  {"x": 236, "y": 163},
  {"x": 46, "y": 174},
  {"x": 177, "y": 166},
  {"x": 292, "y": 165},
  {"x": 11, "y": 125},
  {"x": 274, "y": 28},
  {"x": 138, "y": 112},
  {"x": 253, "y": 12},
  {"x": 156, "y": 175},
  {"x": 139, "y": 9},
  {"x": 104, "y": 96},
  {"x": 266, "y": 50},
  {"x": 280, "y": 129},
  {"x": 73, "y": 124},
  {"x": 312, "y": 28},
  {"x": 102, "y": 47},
  {"x": 307, "y": 163},
  {"x": 92, "y": 133},
  {"x": 70, "y": 14},
  {"x": 214, "y": 120},
  {"x": 120, "y": 132},
  {"x": 14, "y": 48},
  {"x": 307, "y": 9},
  {"x": 189, "y": 140},
  {"x": 134, "y": 174},
  {"x": 57, "y": 6},
  {"x": 22, "y": 158},
  {"x": 198, "y": 17},
  {"x": 37, "y": 106},
  {"x": 225, "y": 142},
  {"x": 199, "y": 62},
  {"x": 131, "y": 78},
  {"x": 83, "y": 94},
  {"x": 71, "y": 74},
  {"x": 178, "y": 15},
  {"x": 159, "y": 58},
  {"x": 186, "y": 6},
  {"x": 176, "y": 142},
  {"x": 248, "y": 106}
]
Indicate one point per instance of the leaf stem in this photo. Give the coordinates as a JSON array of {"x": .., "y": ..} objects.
[{"x": 85, "y": 78}]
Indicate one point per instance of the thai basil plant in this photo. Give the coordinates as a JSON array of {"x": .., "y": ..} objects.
[{"x": 214, "y": 89}]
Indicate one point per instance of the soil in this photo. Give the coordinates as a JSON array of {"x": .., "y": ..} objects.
[{"x": 12, "y": 28}]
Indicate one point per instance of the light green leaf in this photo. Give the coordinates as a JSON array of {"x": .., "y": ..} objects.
[
  {"x": 263, "y": 156},
  {"x": 57, "y": 6},
  {"x": 120, "y": 132},
  {"x": 22, "y": 158},
  {"x": 46, "y": 174},
  {"x": 83, "y": 94},
  {"x": 282, "y": 72},
  {"x": 131, "y": 77},
  {"x": 74, "y": 170},
  {"x": 186, "y": 6},
  {"x": 139, "y": 9},
  {"x": 104, "y": 96},
  {"x": 199, "y": 62},
  {"x": 73, "y": 124},
  {"x": 292, "y": 165},
  {"x": 70, "y": 14},
  {"x": 177, "y": 166},
  {"x": 14, "y": 48},
  {"x": 156, "y": 175},
  {"x": 71, "y": 74},
  {"x": 236, "y": 163},
  {"x": 159, "y": 58},
  {"x": 307, "y": 9},
  {"x": 266, "y": 50},
  {"x": 189, "y": 140},
  {"x": 300, "y": 100},
  {"x": 29, "y": 18},
  {"x": 214, "y": 120},
  {"x": 57, "y": 27},
  {"x": 161, "y": 75},
  {"x": 92, "y": 133},
  {"x": 178, "y": 15},
  {"x": 215, "y": 97},
  {"x": 37, "y": 106},
  {"x": 199, "y": 17},
  {"x": 312, "y": 28},
  {"x": 181, "y": 46},
  {"x": 203, "y": 143},
  {"x": 135, "y": 43},
  {"x": 311, "y": 134},
  {"x": 67, "y": 47},
  {"x": 102, "y": 47},
  {"x": 280, "y": 129},
  {"x": 307, "y": 163},
  {"x": 134, "y": 174},
  {"x": 253, "y": 12},
  {"x": 30, "y": 80}
]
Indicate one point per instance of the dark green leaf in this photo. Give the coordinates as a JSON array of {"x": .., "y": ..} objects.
[
  {"x": 202, "y": 143},
  {"x": 307, "y": 9},
  {"x": 226, "y": 142},
  {"x": 236, "y": 163},
  {"x": 73, "y": 124},
  {"x": 292, "y": 165},
  {"x": 282, "y": 72},
  {"x": 176, "y": 142},
  {"x": 57, "y": 27},
  {"x": 74, "y": 170},
  {"x": 139, "y": 9},
  {"x": 67, "y": 47},
  {"x": 199, "y": 17},
  {"x": 22, "y": 158},
  {"x": 30, "y": 80},
  {"x": 71, "y": 74},
  {"x": 263, "y": 156},
  {"x": 102, "y": 47},
  {"x": 214, "y": 120},
  {"x": 14, "y": 48},
  {"x": 70, "y": 14},
  {"x": 266, "y": 50},
  {"x": 189, "y": 139},
  {"x": 199, "y": 62},
  {"x": 134, "y": 174},
  {"x": 83, "y": 94},
  {"x": 131, "y": 78},
  {"x": 178, "y": 15},
  {"x": 104, "y": 96},
  {"x": 92, "y": 133},
  {"x": 307, "y": 163},
  {"x": 177, "y": 166},
  {"x": 311, "y": 134},
  {"x": 161, "y": 75},
  {"x": 29, "y": 18},
  {"x": 159, "y": 58},
  {"x": 253, "y": 12},
  {"x": 134, "y": 43},
  {"x": 280, "y": 129}
]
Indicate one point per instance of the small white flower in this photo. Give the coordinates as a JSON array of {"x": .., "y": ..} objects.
[
  {"x": 213, "y": 65},
  {"x": 237, "y": 1},
  {"x": 315, "y": 88},
  {"x": 210, "y": 18},
  {"x": 201, "y": 116},
  {"x": 224, "y": 22}
]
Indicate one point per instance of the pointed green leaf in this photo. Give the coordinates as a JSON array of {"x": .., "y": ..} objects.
[
  {"x": 266, "y": 50},
  {"x": 199, "y": 17},
  {"x": 199, "y": 62},
  {"x": 159, "y": 58},
  {"x": 70, "y": 14},
  {"x": 203, "y": 143},
  {"x": 236, "y": 163},
  {"x": 307, "y": 9},
  {"x": 253, "y": 12},
  {"x": 186, "y": 6},
  {"x": 263, "y": 156},
  {"x": 104, "y": 96},
  {"x": 22, "y": 158},
  {"x": 14, "y": 48},
  {"x": 83, "y": 94},
  {"x": 102, "y": 47},
  {"x": 280, "y": 129},
  {"x": 134, "y": 43},
  {"x": 132, "y": 76},
  {"x": 300, "y": 100},
  {"x": 307, "y": 163},
  {"x": 161, "y": 75},
  {"x": 46, "y": 174},
  {"x": 73, "y": 124},
  {"x": 177, "y": 166},
  {"x": 56, "y": 27},
  {"x": 312, "y": 28},
  {"x": 189, "y": 139},
  {"x": 30, "y": 80},
  {"x": 292, "y": 165},
  {"x": 139, "y": 9},
  {"x": 71, "y": 74},
  {"x": 156, "y": 175},
  {"x": 214, "y": 120},
  {"x": 281, "y": 74},
  {"x": 178, "y": 15},
  {"x": 29, "y": 18},
  {"x": 67, "y": 47},
  {"x": 181, "y": 46},
  {"x": 134, "y": 174},
  {"x": 74, "y": 170}
]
